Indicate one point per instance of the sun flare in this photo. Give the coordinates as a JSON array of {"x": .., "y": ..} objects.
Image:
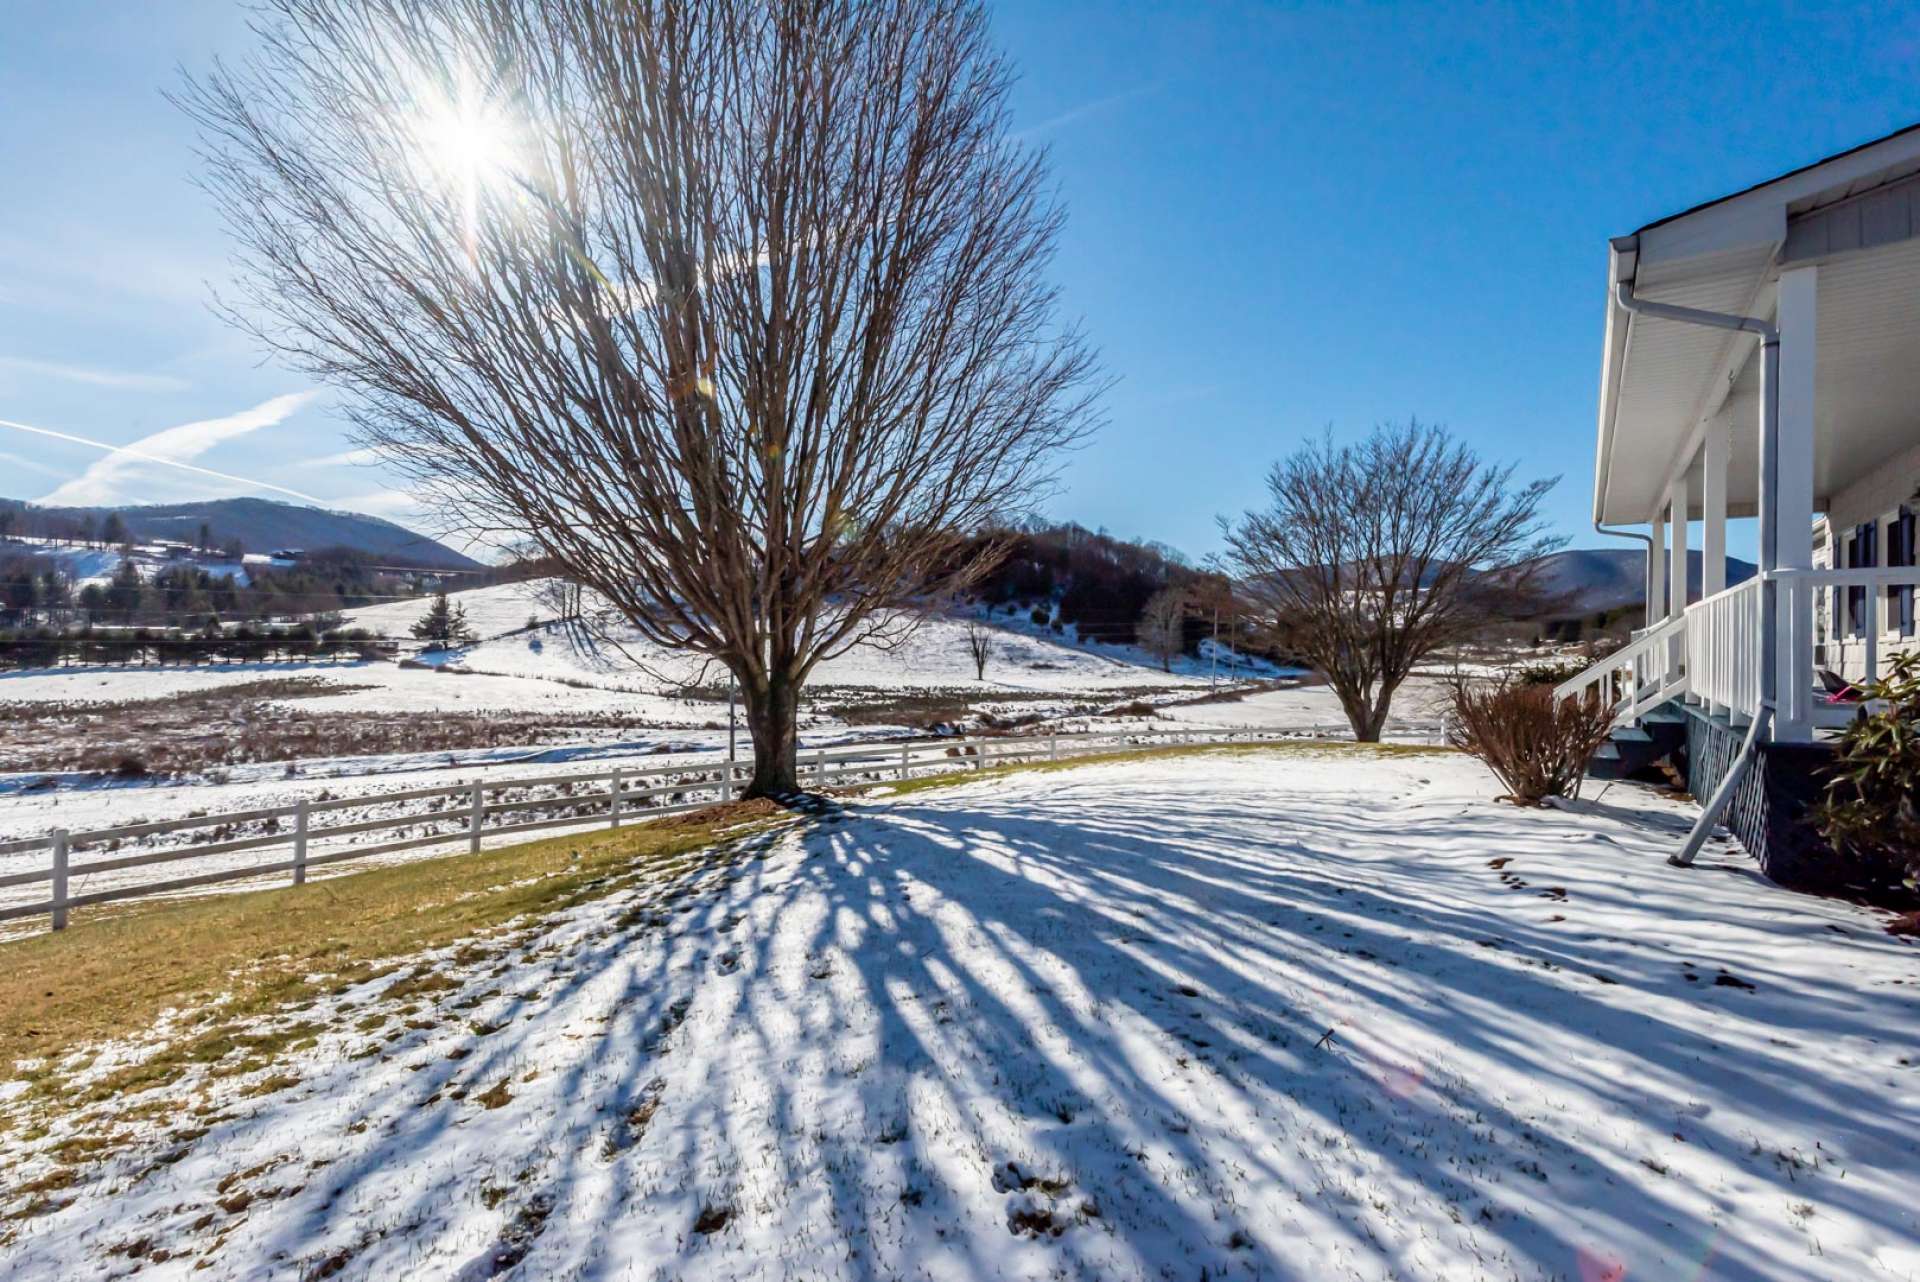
[{"x": 467, "y": 142}]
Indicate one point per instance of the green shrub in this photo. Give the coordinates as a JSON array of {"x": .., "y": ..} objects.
[
  {"x": 1873, "y": 785},
  {"x": 1551, "y": 674}
]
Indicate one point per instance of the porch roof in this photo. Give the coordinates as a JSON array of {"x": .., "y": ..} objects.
[{"x": 1662, "y": 383}]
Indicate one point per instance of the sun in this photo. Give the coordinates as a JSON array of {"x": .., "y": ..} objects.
[{"x": 466, "y": 141}]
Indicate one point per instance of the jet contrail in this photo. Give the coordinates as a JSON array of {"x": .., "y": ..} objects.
[{"x": 155, "y": 458}]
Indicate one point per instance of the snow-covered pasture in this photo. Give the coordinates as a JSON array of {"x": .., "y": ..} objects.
[
  {"x": 1288, "y": 1014},
  {"x": 933, "y": 654},
  {"x": 553, "y": 672}
]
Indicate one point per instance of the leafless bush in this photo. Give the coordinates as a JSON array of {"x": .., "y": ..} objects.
[
  {"x": 1536, "y": 744},
  {"x": 979, "y": 648},
  {"x": 1162, "y": 629}
]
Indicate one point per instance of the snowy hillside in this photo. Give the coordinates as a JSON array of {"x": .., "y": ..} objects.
[
  {"x": 1025, "y": 658},
  {"x": 96, "y": 565}
]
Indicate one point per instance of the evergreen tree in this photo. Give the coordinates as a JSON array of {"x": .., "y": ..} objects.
[
  {"x": 444, "y": 624},
  {"x": 123, "y": 590}
]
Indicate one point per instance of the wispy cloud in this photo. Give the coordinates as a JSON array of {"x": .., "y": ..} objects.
[
  {"x": 1085, "y": 109},
  {"x": 120, "y": 379},
  {"x": 106, "y": 481},
  {"x": 362, "y": 457},
  {"x": 391, "y": 504},
  {"x": 27, "y": 465}
]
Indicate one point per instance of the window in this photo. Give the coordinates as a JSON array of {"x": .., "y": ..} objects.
[
  {"x": 1900, "y": 551},
  {"x": 1861, "y": 554}
]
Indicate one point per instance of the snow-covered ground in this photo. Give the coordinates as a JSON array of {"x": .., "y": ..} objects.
[
  {"x": 553, "y": 671},
  {"x": 532, "y": 670},
  {"x": 1279, "y": 1015},
  {"x": 96, "y": 565},
  {"x": 1025, "y": 658}
]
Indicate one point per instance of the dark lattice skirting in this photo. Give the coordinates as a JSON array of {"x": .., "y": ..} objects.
[{"x": 1768, "y": 811}]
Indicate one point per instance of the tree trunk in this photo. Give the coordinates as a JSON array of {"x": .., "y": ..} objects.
[
  {"x": 1377, "y": 714},
  {"x": 1360, "y": 713},
  {"x": 772, "y": 712}
]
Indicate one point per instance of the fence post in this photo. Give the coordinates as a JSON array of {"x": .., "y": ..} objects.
[
  {"x": 979, "y": 754},
  {"x": 1053, "y": 746},
  {"x": 906, "y": 756},
  {"x": 300, "y": 842},
  {"x": 726, "y": 781},
  {"x": 60, "y": 879},
  {"x": 473, "y": 824},
  {"x": 614, "y": 811},
  {"x": 819, "y": 767}
]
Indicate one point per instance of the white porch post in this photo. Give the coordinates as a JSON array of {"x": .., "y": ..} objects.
[
  {"x": 1713, "y": 510},
  {"x": 1678, "y": 504},
  {"x": 1678, "y": 501},
  {"x": 1657, "y": 571},
  {"x": 1792, "y": 513}
]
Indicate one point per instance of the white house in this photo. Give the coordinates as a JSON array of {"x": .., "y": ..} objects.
[{"x": 1762, "y": 359}]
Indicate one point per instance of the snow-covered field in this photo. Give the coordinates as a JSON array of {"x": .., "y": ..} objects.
[
  {"x": 1286, "y": 1015},
  {"x": 510, "y": 669},
  {"x": 554, "y": 672}
]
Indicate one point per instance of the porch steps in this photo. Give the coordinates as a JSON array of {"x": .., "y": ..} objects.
[{"x": 1632, "y": 749}]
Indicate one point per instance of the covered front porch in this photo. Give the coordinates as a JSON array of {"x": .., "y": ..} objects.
[{"x": 1762, "y": 362}]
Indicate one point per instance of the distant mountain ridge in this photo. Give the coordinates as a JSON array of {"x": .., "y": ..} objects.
[
  {"x": 265, "y": 525},
  {"x": 1597, "y": 580}
]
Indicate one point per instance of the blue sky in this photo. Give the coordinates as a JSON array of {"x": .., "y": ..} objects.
[{"x": 1283, "y": 217}]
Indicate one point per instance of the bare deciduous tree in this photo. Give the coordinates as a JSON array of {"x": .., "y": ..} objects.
[
  {"x": 1162, "y": 630},
  {"x": 735, "y": 309},
  {"x": 1370, "y": 557},
  {"x": 979, "y": 647}
]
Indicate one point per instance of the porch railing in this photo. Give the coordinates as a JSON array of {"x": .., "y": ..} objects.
[
  {"x": 1723, "y": 652},
  {"x": 1807, "y": 596},
  {"x": 1710, "y": 655},
  {"x": 1641, "y": 675}
]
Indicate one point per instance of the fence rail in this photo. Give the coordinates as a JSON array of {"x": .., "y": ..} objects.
[{"x": 605, "y": 798}]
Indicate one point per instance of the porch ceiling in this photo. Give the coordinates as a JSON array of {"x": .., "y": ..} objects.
[{"x": 1663, "y": 382}]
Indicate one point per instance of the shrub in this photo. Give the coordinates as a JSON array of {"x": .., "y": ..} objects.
[
  {"x": 1551, "y": 674},
  {"x": 1873, "y": 783},
  {"x": 1535, "y": 744}
]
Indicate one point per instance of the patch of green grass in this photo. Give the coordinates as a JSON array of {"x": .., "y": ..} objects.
[
  {"x": 235, "y": 958},
  {"x": 1290, "y": 747},
  {"x": 268, "y": 1085}
]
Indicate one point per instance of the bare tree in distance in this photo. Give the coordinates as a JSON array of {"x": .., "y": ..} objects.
[
  {"x": 1162, "y": 630},
  {"x": 735, "y": 309},
  {"x": 979, "y": 647},
  {"x": 1370, "y": 557}
]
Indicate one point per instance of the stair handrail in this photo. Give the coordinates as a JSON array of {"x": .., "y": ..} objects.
[{"x": 1624, "y": 657}]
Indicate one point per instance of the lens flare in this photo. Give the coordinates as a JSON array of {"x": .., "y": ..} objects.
[{"x": 468, "y": 140}]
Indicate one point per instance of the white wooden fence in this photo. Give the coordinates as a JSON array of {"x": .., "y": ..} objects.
[{"x": 306, "y": 835}]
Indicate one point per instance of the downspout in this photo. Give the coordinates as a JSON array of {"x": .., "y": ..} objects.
[
  {"x": 1646, "y": 573},
  {"x": 1769, "y": 336}
]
